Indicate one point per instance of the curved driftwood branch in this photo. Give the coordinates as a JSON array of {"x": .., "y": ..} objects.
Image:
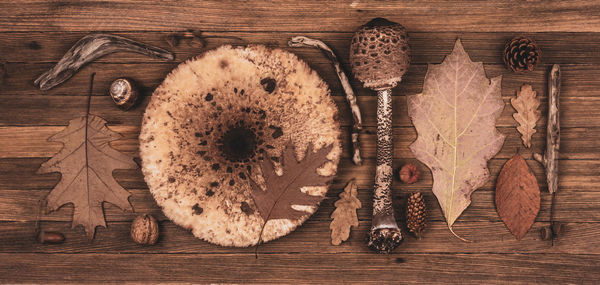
[
  {"x": 90, "y": 48},
  {"x": 301, "y": 41}
]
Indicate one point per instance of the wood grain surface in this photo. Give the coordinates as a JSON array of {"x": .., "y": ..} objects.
[{"x": 35, "y": 34}]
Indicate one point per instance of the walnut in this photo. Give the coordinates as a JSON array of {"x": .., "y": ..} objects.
[
  {"x": 409, "y": 173},
  {"x": 144, "y": 230}
]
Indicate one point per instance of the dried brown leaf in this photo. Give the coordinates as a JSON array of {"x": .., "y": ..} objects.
[
  {"x": 517, "y": 196},
  {"x": 526, "y": 103},
  {"x": 275, "y": 202},
  {"x": 455, "y": 118},
  {"x": 344, "y": 216},
  {"x": 86, "y": 163}
]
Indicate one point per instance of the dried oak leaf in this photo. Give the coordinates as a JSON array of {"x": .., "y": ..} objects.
[
  {"x": 344, "y": 216},
  {"x": 455, "y": 118},
  {"x": 517, "y": 196},
  {"x": 527, "y": 115},
  {"x": 284, "y": 191},
  {"x": 86, "y": 163}
]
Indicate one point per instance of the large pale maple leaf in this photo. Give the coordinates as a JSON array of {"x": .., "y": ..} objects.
[
  {"x": 455, "y": 118},
  {"x": 86, "y": 163}
]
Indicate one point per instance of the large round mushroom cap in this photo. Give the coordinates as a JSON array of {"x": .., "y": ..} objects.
[
  {"x": 214, "y": 119},
  {"x": 380, "y": 54}
]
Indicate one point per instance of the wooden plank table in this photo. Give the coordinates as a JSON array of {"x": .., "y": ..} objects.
[{"x": 35, "y": 34}]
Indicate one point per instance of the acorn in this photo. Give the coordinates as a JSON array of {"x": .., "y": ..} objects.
[
  {"x": 144, "y": 230},
  {"x": 124, "y": 93}
]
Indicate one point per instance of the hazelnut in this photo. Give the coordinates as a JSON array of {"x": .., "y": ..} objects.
[
  {"x": 144, "y": 230},
  {"x": 409, "y": 173}
]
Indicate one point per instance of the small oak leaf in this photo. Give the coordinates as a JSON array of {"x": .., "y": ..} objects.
[
  {"x": 284, "y": 191},
  {"x": 86, "y": 163},
  {"x": 517, "y": 196},
  {"x": 344, "y": 216},
  {"x": 526, "y": 103}
]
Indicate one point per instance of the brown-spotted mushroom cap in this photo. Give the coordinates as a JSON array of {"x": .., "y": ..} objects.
[
  {"x": 379, "y": 54},
  {"x": 213, "y": 119}
]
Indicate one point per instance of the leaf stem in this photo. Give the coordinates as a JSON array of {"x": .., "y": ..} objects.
[
  {"x": 459, "y": 237},
  {"x": 87, "y": 168}
]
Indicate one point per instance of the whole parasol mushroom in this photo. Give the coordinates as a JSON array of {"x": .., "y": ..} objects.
[{"x": 379, "y": 56}]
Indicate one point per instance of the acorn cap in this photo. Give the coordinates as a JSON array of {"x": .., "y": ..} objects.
[
  {"x": 379, "y": 54},
  {"x": 211, "y": 123}
]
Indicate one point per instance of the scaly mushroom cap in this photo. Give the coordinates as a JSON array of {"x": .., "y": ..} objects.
[
  {"x": 214, "y": 119},
  {"x": 379, "y": 54}
]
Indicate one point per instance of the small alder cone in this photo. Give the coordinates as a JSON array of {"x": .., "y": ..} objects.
[
  {"x": 416, "y": 214},
  {"x": 144, "y": 230},
  {"x": 521, "y": 54}
]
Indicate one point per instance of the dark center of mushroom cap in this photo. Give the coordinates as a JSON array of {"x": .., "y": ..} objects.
[{"x": 239, "y": 143}]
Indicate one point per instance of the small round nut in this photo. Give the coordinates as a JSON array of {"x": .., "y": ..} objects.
[
  {"x": 409, "y": 173},
  {"x": 144, "y": 230},
  {"x": 124, "y": 93}
]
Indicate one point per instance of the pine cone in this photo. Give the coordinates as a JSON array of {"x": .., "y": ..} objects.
[
  {"x": 521, "y": 54},
  {"x": 416, "y": 214}
]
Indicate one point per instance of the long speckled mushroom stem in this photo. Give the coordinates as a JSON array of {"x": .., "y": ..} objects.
[
  {"x": 380, "y": 55},
  {"x": 300, "y": 41}
]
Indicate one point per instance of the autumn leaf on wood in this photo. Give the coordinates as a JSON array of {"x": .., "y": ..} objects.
[
  {"x": 527, "y": 115},
  {"x": 275, "y": 202},
  {"x": 86, "y": 163},
  {"x": 344, "y": 216},
  {"x": 455, "y": 118},
  {"x": 517, "y": 196}
]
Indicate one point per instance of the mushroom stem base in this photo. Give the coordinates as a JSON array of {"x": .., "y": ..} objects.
[{"x": 384, "y": 240}]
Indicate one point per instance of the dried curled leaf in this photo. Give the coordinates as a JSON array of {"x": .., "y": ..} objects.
[
  {"x": 455, "y": 118},
  {"x": 344, "y": 216},
  {"x": 517, "y": 196},
  {"x": 526, "y": 103},
  {"x": 284, "y": 191},
  {"x": 86, "y": 163}
]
